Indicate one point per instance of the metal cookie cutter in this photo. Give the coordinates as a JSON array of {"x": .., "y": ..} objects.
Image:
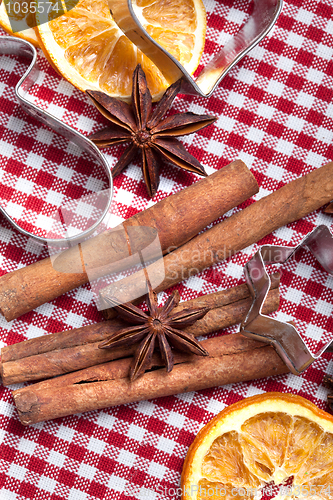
[
  {"x": 16, "y": 46},
  {"x": 260, "y": 22},
  {"x": 284, "y": 336}
]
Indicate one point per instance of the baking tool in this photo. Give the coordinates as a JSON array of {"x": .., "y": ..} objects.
[
  {"x": 259, "y": 23},
  {"x": 284, "y": 336},
  {"x": 263, "y": 18},
  {"x": 16, "y": 46}
]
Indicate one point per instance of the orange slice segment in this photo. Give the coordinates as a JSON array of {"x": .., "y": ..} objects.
[
  {"x": 224, "y": 462},
  {"x": 86, "y": 46}
]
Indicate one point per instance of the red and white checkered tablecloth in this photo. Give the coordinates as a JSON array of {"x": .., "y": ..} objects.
[{"x": 275, "y": 112}]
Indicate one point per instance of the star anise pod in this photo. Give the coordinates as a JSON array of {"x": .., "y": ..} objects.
[
  {"x": 158, "y": 325},
  {"x": 328, "y": 382},
  {"x": 147, "y": 131}
]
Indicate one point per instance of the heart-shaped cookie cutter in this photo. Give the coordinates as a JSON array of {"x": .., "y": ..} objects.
[
  {"x": 16, "y": 46},
  {"x": 259, "y": 23},
  {"x": 284, "y": 336}
]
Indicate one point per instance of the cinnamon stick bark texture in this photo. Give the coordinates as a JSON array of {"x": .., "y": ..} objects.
[
  {"x": 233, "y": 358},
  {"x": 288, "y": 204},
  {"x": 59, "y": 353},
  {"x": 176, "y": 219}
]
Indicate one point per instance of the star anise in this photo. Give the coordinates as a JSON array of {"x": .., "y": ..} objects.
[
  {"x": 328, "y": 382},
  {"x": 146, "y": 130},
  {"x": 158, "y": 325}
]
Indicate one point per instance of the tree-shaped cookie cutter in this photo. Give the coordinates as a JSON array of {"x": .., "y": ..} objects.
[
  {"x": 259, "y": 23},
  {"x": 284, "y": 336},
  {"x": 16, "y": 46}
]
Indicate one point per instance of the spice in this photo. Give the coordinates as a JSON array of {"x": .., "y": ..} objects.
[
  {"x": 190, "y": 209},
  {"x": 159, "y": 325},
  {"x": 328, "y": 382},
  {"x": 147, "y": 131},
  {"x": 232, "y": 358},
  {"x": 64, "y": 352},
  {"x": 285, "y": 205},
  {"x": 329, "y": 209}
]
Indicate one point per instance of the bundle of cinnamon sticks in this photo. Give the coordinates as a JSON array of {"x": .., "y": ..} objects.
[
  {"x": 176, "y": 219},
  {"x": 97, "y": 378},
  {"x": 233, "y": 359},
  {"x": 64, "y": 352},
  {"x": 288, "y": 204}
]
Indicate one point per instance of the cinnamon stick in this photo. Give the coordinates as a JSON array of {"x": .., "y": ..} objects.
[
  {"x": 64, "y": 352},
  {"x": 329, "y": 209},
  {"x": 191, "y": 209},
  {"x": 288, "y": 204},
  {"x": 233, "y": 358}
]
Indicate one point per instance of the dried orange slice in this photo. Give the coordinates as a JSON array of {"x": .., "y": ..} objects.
[
  {"x": 89, "y": 50},
  {"x": 268, "y": 438},
  {"x": 28, "y": 34}
]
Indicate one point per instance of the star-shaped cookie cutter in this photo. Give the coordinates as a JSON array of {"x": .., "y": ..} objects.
[
  {"x": 16, "y": 46},
  {"x": 284, "y": 336},
  {"x": 258, "y": 25}
]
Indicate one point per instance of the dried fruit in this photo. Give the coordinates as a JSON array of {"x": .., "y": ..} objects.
[
  {"x": 268, "y": 437},
  {"x": 18, "y": 14},
  {"x": 88, "y": 48}
]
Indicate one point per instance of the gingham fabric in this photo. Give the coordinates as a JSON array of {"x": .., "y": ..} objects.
[{"x": 275, "y": 112}]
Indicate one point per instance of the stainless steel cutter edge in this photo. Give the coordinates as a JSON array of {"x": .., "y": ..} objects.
[
  {"x": 260, "y": 22},
  {"x": 283, "y": 336},
  {"x": 17, "y": 46},
  {"x": 263, "y": 18}
]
